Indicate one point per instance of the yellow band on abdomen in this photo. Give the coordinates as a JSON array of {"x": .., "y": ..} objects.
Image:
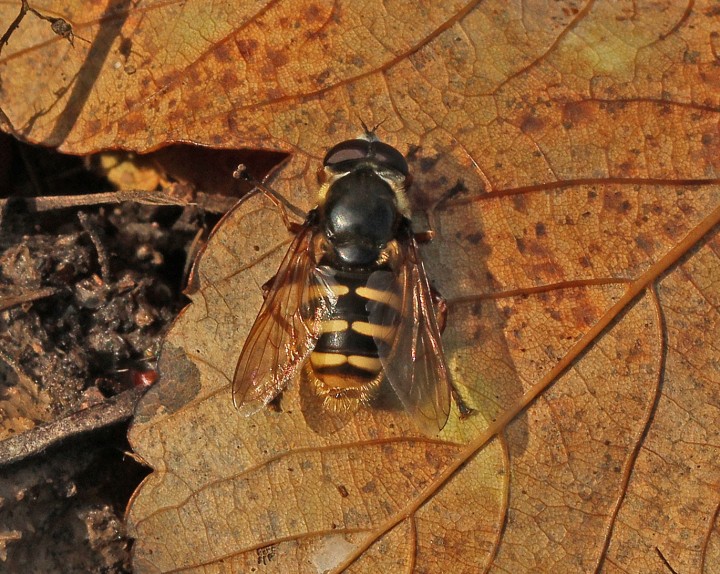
[
  {"x": 319, "y": 360},
  {"x": 385, "y": 297},
  {"x": 383, "y": 332},
  {"x": 369, "y": 364},
  {"x": 333, "y": 326}
]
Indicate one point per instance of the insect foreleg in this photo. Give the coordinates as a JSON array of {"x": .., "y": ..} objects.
[{"x": 281, "y": 203}]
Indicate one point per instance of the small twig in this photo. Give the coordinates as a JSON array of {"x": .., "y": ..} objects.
[
  {"x": 48, "y": 203},
  {"x": 208, "y": 203},
  {"x": 6, "y": 302},
  {"x": 34, "y": 441},
  {"x": 99, "y": 247},
  {"x": 214, "y": 203},
  {"x": 7, "y": 125},
  {"x": 59, "y": 26},
  {"x": 14, "y": 24}
]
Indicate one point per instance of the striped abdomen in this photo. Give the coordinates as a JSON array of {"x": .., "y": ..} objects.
[{"x": 346, "y": 361}]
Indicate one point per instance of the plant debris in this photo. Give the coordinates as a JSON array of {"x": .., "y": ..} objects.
[{"x": 115, "y": 272}]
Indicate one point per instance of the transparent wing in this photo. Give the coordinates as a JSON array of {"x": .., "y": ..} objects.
[
  {"x": 287, "y": 327},
  {"x": 414, "y": 363}
]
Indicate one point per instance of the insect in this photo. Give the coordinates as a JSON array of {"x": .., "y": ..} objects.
[{"x": 351, "y": 305}]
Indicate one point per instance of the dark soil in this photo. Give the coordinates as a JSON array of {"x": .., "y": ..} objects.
[{"x": 110, "y": 281}]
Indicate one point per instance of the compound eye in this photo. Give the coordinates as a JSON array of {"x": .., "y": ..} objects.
[
  {"x": 349, "y": 150},
  {"x": 388, "y": 156}
]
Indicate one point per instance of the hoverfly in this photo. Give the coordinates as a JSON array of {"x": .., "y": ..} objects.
[{"x": 351, "y": 305}]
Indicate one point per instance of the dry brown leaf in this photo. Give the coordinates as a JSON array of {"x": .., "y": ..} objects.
[
  {"x": 614, "y": 459},
  {"x": 567, "y": 155},
  {"x": 548, "y": 92},
  {"x": 321, "y": 494}
]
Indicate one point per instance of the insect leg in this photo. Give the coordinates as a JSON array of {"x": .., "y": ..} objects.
[
  {"x": 267, "y": 286},
  {"x": 441, "y": 308},
  {"x": 465, "y": 411},
  {"x": 441, "y": 312},
  {"x": 280, "y": 202}
]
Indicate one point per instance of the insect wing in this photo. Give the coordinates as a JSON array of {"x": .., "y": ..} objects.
[
  {"x": 414, "y": 363},
  {"x": 287, "y": 326}
]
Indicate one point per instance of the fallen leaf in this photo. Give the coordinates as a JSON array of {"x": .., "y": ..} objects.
[
  {"x": 536, "y": 95},
  {"x": 568, "y": 470},
  {"x": 319, "y": 495},
  {"x": 567, "y": 156}
]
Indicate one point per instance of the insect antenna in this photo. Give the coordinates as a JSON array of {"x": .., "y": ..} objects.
[{"x": 370, "y": 133}]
